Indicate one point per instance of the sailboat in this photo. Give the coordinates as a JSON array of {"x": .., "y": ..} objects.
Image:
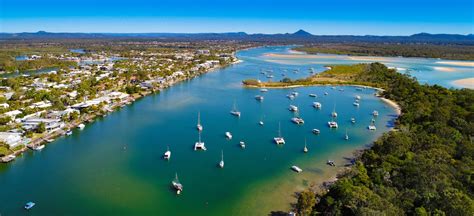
[
  {"x": 334, "y": 113},
  {"x": 199, "y": 145},
  {"x": 199, "y": 126},
  {"x": 242, "y": 144},
  {"x": 177, "y": 185},
  {"x": 305, "y": 149},
  {"x": 279, "y": 139},
  {"x": 221, "y": 163},
  {"x": 234, "y": 111},
  {"x": 347, "y": 136},
  {"x": 167, "y": 154}
]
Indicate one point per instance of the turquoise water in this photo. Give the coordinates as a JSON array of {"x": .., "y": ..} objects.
[
  {"x": 114, "y": 165},
  {"x": 426, "y": 70}
]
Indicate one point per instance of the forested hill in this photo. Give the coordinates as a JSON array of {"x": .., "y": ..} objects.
[
  {"x": 425, "y": 167},
  {"x": 299, "y": 36}
]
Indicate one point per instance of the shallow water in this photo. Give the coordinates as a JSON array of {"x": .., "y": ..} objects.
[
  {"x": 114, "y": 165},
  {"x": 426, "y": 70}
]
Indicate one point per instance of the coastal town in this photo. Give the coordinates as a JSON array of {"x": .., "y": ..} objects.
[{"x": 37, "y": 108}]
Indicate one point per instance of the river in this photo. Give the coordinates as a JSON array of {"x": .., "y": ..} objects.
[{"x": 114, "y": 165}]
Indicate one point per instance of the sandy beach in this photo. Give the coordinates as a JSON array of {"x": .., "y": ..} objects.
[
  {"x": 392, "y": 104},
  {"x": 457, "y": 63},
  {"x": 291, "y": 56},
  {"x": 445, "y": 69},
  {"x": 465, "y": 83}
]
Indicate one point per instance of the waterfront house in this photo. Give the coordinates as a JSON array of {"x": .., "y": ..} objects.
[
  {"x": 51, "y": 124},
  {"x": 12, "y": 139}
]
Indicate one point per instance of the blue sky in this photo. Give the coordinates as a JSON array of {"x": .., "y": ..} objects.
[{"x": 359, "y": 17}]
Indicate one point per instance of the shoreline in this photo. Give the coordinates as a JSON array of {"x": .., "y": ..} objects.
[
  {"x": 464, "y": 83},
  {"x": 47, "y": 138}
]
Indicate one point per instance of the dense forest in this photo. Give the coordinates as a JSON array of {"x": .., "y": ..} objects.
[
  {"x": 424, "y": 167},
  {"x": 445, "y": 51}
]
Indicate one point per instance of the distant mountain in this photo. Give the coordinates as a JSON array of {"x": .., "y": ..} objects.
[
  {"x": 299, "y": 36},
  {"x": 302, "y": 33}
]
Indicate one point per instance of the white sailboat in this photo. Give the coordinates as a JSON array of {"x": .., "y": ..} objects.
[
  {"x": 167, "y": 154},
  {"x": 234, "y": 110},
  {"x": 279, "y": 139},
  {"x": 177, "y": 185},
  {"x": 242, "y": 144},
  {"x": 334, "y": 113},
  {"x": 347, "y": 136},
  {"x": 199, "y": 145},
  {"x": 221, "y": 163},
  {"x": 199, "y": 126}
]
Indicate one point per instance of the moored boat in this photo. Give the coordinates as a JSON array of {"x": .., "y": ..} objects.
[
  {"x": 177, "y": 185},
  {"x": 296, "y": 169},
  {"x": 228, "y": 135},
  {"x": 279, "y": 139}
]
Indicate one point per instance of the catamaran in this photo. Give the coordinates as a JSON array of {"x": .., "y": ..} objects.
[
  {"x": 279, "y": 139},
  {"x": 199, "y": 145},
  {"x": 353, "y": 120},
  {"x": 228, "y": 135},
  {"x": 242, "y": 144},
  {"x": 332, "y": 123},
  {"x": 199, "y": 126},
  {"x": 293, "y": 108},
  {"x": 372, "y": 126},
  {"x": 234, "y": 111},
  {"x": 177, "y": 185},
  {"x": 317, "y": 105},
  {"x": 167, "y": 154},
  {"x": 221, "y": 163}
]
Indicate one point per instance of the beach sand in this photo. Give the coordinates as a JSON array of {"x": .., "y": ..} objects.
[
  {"x": 456, "y": 63},
  {"x": 445, "y": 69},
  {"x": 465, "y": 83}
]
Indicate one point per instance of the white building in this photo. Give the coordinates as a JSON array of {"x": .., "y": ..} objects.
[{"x": 11, "y": 139}]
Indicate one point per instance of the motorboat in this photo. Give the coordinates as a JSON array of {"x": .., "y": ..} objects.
[
  {"x": 81, "y": 126},
  {"x": 296, "y": 169},
  {"x": 375, "y": 113},
  {"x": 242, "y": 144},
  {"x": 312, "y": 95},
  {"x": 259, "y": 97},
  {"x": 228, "y": 135},
  {"x": 317, "y": 105},
  {"x": 29, "y": 205},
  {"x": 331, "y": 163},
  {"x": 38, "y": 147},
  {"x": 316, "y": 131}
]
